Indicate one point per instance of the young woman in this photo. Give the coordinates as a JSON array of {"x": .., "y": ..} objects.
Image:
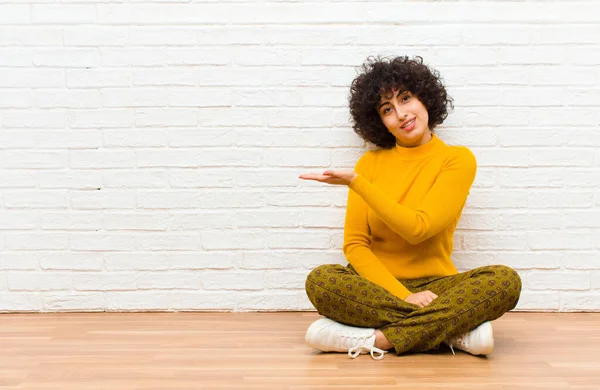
[{"x": 401, "y": 290}]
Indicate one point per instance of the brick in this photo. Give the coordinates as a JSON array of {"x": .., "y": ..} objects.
[
  {"x": 209, "y": 301},
  {"x": 73, "y": 301},
  {"x": 299, "y": 198},
  {"x": 205, "y": 260},
  {"x": 66, "y": 58},
  {"x": 199, "y": 97},
  {"x": 137, "y": 301},
  {"x": 134, "y": 261},
  {"x": 15, "y": 98},
  {"x": 63, "y": 14},
  {"x": 292, "y": 157},
  {"x": 228, "y": 240},
  {"x": 330, "y": 218},
  {"x": 135, "y": 221},
  {"x": 164, "y": 36},
  {"x": 101, "y": 242},
  {"x": 67, "y": 99},
  {"x": 148, "y": 117},
  {"x": 19, "y": 260},
  {"x": 167, "y": 242},
  {"x": 138, "y": 97},
  {"x": 579, "y": 301},
  {"x": 268, "y": 218},
  {"x": 14, "y": 14},
  {"x": 104, "y": 118},
  {"x": 580, "y": 260},
  {"x": 266, "y": 177},
  {"x": 71, "y": 261},
  {"x": 71, "y": 221},
  {"x": 102, "y": 199},
  {"x": 559, "y": 239},
  {"x": 16, "y": 57},
  {"x": 77, "y": 180},
  {"x": 34, "y": 119},
  {"x": 95, "y": 36},
  {"x": 135, "y": 179},
  {"x": 285, "y": 280},
  {"x": 105, "y": 281},
  {"x": 200, "y": 137},
  {"x": 269, "y": 301},
  {"x": 539, "y": 300},
  {"x": 202, "y": 55},
  {"x": 17, "y": 179},
  {"x": 89, "y": 159},
  {"x": 134, "y": 137},
  {"x": 36, "y": 281},
  {"x": 201, "y": 178},
  {"x": 290, "y": 259},
  {"x": 27, "y": 35},
  {"x": 97, "y": 78},
  {"x": 169, "y": 280},
  {"x": 20, "y": 302},
  {"x": 247, "y": 280},
  {"x": 298, "y": 240},
  {"x": 40, "y": 199},
  {"x": 545, "y": 280},
  {"x": 10, "y": 220},
  {"x": 131, "y": 56},
  {"x": 165, "y": 77}
]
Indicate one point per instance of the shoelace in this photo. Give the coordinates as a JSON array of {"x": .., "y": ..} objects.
[
  {"x": 355, "y": 351},
  {"x": 360, "y": 345},
  {"x": 452, "y": 349}
]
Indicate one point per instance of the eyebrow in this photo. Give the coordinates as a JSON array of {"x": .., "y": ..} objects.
[{"x": 386, "y": 102}]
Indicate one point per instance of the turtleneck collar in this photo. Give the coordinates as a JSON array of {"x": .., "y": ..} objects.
[{"x": 420, "y": 151}]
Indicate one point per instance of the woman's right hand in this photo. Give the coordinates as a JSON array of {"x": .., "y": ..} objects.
[{"x": 421, "y": 299}]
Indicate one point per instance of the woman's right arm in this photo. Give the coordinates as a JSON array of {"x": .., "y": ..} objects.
[{"x": 357, "y": 238}]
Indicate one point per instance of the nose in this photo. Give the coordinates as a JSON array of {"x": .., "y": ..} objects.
[{"x": 400, "y": 114}]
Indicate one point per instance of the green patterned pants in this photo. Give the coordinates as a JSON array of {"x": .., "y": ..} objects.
[{"x": 464, "y": 301}]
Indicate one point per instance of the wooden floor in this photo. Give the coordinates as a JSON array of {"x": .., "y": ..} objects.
[{"x": 164, "y": 351}]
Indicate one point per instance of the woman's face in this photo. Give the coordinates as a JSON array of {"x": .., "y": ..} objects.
[{"x": 405, "y": 117}]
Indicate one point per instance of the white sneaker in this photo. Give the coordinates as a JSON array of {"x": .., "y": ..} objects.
[
  {"x": 479, "y": 341},
  {"x": 329, "y": 336}
]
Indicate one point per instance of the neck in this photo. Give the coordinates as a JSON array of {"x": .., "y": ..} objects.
[{"x": 422, "y": 141}]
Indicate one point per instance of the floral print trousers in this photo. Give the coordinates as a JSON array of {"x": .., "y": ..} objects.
[{"x": 464, "y": 301}]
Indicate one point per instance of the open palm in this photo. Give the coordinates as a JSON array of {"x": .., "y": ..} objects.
[{"x": 336, "y": 176}]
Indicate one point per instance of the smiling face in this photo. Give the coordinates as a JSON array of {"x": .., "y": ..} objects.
[{"x": 405, "y": 117}]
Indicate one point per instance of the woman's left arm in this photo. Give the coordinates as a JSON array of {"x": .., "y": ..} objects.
[{"x": 441, "y": 205}]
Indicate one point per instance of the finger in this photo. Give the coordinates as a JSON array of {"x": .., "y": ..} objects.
[
  {"x": 315, "y": 176},
  {"x": 311, "y": 175},
  {"x": 431, "y": 295}
]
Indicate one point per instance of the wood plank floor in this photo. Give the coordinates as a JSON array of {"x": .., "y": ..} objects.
[{"x": 164, "y": 351}]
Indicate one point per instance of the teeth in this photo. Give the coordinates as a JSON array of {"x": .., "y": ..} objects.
[{"x": 408, "y": 124}]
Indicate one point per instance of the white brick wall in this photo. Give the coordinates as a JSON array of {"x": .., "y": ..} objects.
[{"x": 149, "y": 150}]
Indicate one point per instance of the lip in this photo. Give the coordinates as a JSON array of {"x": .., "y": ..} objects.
[{"x": 411, "y": 126}]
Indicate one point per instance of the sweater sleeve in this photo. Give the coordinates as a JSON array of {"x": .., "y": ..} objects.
[
  {"x": 440, "y": 206},
  {"x": 357, "y": 239}
]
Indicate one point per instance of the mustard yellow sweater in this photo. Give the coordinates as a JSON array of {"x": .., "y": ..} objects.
[{"x": 403, "y": 208}]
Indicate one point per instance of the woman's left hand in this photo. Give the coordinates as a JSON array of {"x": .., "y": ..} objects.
[{"x": 335, "y": 176}]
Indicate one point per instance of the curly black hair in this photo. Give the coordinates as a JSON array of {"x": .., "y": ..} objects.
[{"x": 381, "y": 76}]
